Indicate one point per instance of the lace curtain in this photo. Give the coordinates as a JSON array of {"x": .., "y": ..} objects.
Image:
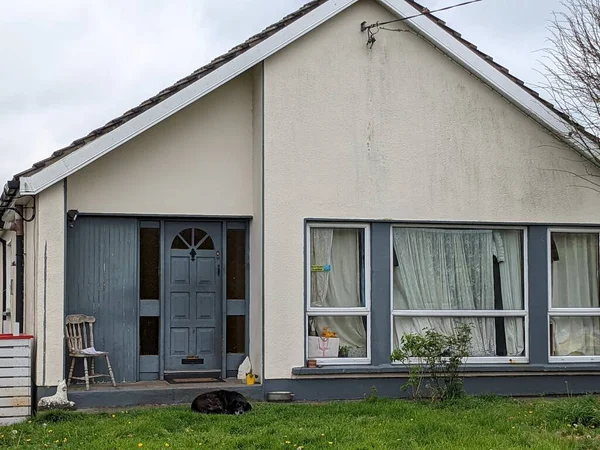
[
  {"x": 575, "y": 285},
  {"x": 340, "y": 287},
  {"x": 454, "y": 270}
]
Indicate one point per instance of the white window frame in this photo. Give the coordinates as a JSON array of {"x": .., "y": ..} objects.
[
  {"x": 524, "y": 313},
  {"x": 358, "y": 311},
  {"x": 568, "y": 312}
]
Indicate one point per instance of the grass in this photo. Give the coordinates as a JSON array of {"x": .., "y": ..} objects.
[{"x": 471, "y": 423}]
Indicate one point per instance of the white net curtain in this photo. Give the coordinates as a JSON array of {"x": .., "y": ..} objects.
[
  {"x": 575, "y": 285},
  {"x": 339, "y": 287},
  {"x": 439, "y": 269}
]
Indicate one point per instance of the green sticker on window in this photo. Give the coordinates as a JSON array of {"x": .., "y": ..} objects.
[{"x": 324, "y": 268}]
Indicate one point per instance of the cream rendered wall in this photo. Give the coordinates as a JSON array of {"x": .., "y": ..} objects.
[
  {"x": 395, "y": 132},
  {"x": 49, "y": 258},
  {"x": 197, "y": 162},
  {"x": 256, "y": 263}
]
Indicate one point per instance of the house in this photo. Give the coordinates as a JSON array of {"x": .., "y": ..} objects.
[{"x": 306, "y": 180}]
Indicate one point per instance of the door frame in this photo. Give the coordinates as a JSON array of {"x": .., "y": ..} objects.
[
  {"x": 220, "y": 280},
  {"x": 226, "y": 223}
]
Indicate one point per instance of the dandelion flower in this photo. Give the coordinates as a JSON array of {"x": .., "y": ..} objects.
[
  {"x": 330, "y": 443},
  {"x": 322, "y": 435},
  {"x": 113, "y": 416},
  {"x": 140, "y": 444},
  {"x": 167, "y": 444},
  {"x": 56, "y": 441},
  {"x": 15, "y": 432},
  {"x": 27, "y": 440},
  {"x": 49, "y": 431}
]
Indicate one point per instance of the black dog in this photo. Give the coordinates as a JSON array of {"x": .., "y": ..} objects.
[{"x": 221, "y": 402}]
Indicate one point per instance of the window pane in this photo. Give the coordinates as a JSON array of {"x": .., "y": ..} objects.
[
  {"x": 574, "y": 270},
  {"x": 236, "y": 334},
  {"x": 575, "y": 336},
  {"x": 149, "y": 335},
  {"x": 490, "y": 336},
  {"x": 149, "y": 263},
  {"x": 337, "y": 267},
  {"x": 457, "y": 269},
  {"x": 187, "y": 236},
  {"x": 236, "y": 264},
  {"x": 179, "y": 244},
  {"x": 337, "y": 337}
]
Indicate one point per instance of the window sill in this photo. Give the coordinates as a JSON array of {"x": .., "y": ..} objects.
[{"x": 469, "y": 370}]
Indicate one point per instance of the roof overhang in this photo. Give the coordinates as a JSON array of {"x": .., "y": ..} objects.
[{"x": 449, "y": 45}]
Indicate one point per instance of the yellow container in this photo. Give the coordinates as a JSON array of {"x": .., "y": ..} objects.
[{"x": 250, "y": 378}]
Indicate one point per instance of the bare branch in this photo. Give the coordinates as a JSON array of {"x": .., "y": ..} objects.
[{"x": 572, "y": 72}]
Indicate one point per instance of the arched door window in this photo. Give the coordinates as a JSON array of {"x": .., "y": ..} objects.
[{"x": 193, "y": 239}]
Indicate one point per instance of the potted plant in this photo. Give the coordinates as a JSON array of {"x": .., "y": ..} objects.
[{"x": 343, "y": 351}]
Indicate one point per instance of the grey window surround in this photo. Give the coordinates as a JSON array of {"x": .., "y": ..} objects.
[{"x": 536, "y": 274}]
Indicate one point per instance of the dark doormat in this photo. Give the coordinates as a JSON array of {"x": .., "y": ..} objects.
[{"x": 181, "y": 379}]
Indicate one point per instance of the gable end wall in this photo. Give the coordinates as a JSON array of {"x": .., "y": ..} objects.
[{"x": 398, "y": 132}]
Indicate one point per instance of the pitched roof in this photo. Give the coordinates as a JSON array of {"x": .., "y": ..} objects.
[
  {"x": 176, "y": 87},
  {"x": 11, "y": 188}
]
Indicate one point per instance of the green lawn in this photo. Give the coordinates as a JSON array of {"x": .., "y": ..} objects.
[{"x": 472, "y": 423}]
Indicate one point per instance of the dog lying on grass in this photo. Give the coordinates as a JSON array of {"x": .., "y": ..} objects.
[{"x": 221, "y": 402}]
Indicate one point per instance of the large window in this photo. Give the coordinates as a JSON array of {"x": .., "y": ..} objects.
[
  {"x": 442, "y": 277},
  {"x": 574, "y": 310},
  {"x": 338, "y": 295}
]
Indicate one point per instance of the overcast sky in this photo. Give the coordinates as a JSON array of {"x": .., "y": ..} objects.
[{"x": 69, "y": 66}]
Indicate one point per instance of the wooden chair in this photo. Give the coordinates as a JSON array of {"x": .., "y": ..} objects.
[{"x": 79, "y": 327}]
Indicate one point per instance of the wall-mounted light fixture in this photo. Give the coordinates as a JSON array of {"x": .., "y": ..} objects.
[{"x": 72, "y": 217}]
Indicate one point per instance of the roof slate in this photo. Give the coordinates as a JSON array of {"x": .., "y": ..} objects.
[{"x": 219, "y": 61}]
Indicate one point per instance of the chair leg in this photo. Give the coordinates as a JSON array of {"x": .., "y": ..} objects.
[
  {"x": 86, "y": 375},
  {"x": 112, "y": 377},
  {"x": 71, "y": 372},
  {"x": 93, "y": 371}
]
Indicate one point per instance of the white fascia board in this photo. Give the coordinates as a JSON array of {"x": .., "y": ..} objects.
[
  {"x": 88, "y": 153},
  {"x": 478, "y": 66}
]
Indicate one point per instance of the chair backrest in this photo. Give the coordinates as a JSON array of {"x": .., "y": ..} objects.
[{"x": 80, "y": 332}]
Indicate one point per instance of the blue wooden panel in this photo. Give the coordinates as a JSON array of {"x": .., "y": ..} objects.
[
  {"x": 149, "y": 364},
  {"x": 205, "y": 341},
  {"x": 180, "y": 269},
  {"x": 205, "y": 305},
  {"x": 180, "y": 341},
  {"x": 205, "y": 271},
  {"x": 236, "y": 307},
  {"x": 102, "y": 274},
  {"x": 149, "y": 308},
  {"x": 180, "y": 305}
]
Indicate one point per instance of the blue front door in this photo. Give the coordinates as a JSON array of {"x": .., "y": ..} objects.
[{"x": 193, "y": 325}]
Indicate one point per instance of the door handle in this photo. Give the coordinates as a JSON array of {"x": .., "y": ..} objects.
[{"x": 218, "y": 270}]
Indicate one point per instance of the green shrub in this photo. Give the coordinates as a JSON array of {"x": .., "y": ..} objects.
[{"x": 434, "y": 361}]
